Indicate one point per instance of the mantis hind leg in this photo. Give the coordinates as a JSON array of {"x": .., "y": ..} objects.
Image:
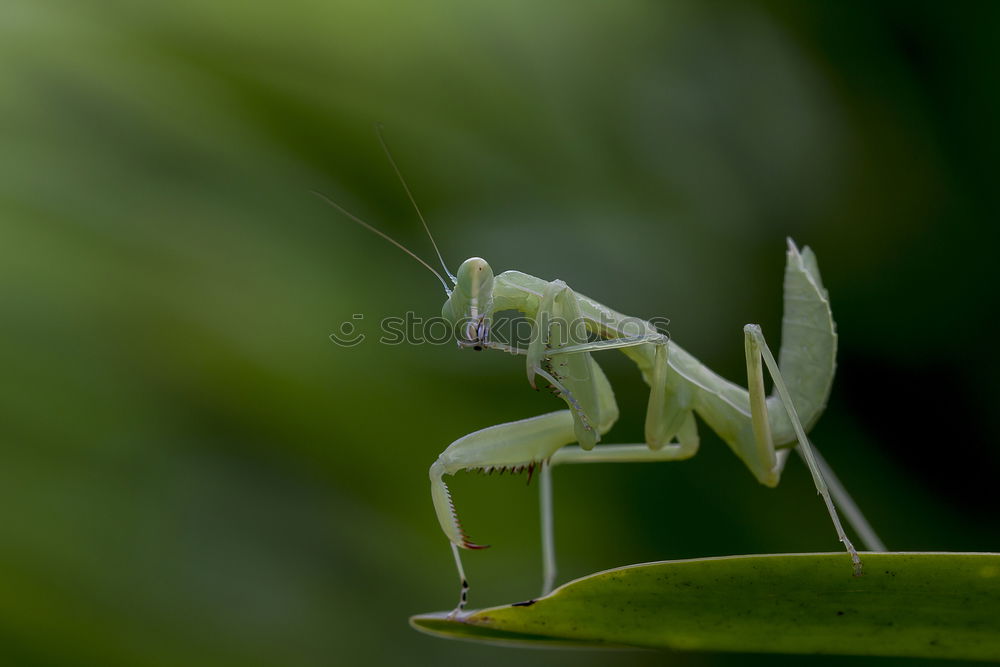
[
  {"x": 842, "y": 499},
  {"x": 765, "y": 454}
]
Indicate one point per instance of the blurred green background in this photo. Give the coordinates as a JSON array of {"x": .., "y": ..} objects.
[{"x": 193, "y": 474}]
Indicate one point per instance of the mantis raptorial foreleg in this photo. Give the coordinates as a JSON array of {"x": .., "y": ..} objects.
[
  {"x": 514, "y": 446},
  {"x": 526, "y": 444},
  {"x": 558, "y": 320}
]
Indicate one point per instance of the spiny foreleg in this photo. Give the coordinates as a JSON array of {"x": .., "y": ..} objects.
[{"x": 515, "y": 447}]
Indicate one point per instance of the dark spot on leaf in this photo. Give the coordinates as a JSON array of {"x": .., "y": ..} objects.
[{"x": 526, "y": 603}]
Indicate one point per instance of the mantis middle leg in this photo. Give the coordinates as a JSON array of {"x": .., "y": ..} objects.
[{"x": 685, "y": 447}]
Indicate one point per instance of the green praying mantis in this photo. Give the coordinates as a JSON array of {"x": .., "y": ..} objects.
[{"x": 568, "y": 328}]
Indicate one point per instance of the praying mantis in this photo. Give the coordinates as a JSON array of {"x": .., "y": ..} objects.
[{"x": 568, "y": 328}]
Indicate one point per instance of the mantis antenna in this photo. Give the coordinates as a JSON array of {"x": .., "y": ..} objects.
[
  {"x": 447, "y": 290},
  {"x": 399, "y": 174}
]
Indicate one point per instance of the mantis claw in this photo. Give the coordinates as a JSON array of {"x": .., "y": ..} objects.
[
  {"x": 466, "y": 543},
  {"x": 446, "y": 510},
  {"x": 474, "y": 547}
]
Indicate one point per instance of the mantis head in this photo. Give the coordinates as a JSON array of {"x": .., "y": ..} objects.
[{"x": 470, "y": 304}]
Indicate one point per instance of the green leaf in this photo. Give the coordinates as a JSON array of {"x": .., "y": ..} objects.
[{"x": 933, "y": 605}]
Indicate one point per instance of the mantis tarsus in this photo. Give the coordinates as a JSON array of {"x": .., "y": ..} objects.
[{"x": 569, "y": 327}]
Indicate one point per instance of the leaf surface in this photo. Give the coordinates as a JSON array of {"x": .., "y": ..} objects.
[{"x": 932, "y": 605}]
